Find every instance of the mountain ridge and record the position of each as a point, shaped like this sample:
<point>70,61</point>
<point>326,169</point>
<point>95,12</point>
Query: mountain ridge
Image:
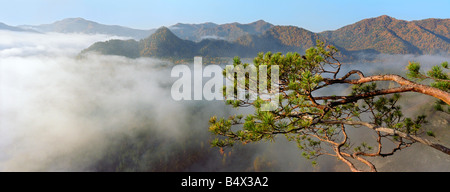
<point>194,32</point>
<point>382,34</point>
<point>6,27</point>
<point>165,44</point>
<point>81,25</point>
<point>228,31</point>
<point>386,34</point>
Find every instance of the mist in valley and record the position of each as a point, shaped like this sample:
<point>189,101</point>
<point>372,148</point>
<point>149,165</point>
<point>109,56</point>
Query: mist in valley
<point>60,112</point>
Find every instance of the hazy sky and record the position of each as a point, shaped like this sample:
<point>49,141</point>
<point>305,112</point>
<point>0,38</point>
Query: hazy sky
<point>316,16</point>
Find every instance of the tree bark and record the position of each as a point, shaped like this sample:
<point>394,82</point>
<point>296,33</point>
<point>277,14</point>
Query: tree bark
<point>406,85</point>
<point>434,145</point>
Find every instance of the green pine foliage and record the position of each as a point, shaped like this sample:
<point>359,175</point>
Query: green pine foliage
<point>439,76</point>
<point>309,120</point>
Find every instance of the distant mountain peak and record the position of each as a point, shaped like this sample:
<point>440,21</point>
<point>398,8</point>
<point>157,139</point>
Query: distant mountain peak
<point>163,42</point>
<point>385,17</point>
<point>382,34</point>
<point>260,22</point>
<point>163,31</point>
<point>209,24</point>
<point>81,25</point>
<point>164,34</point>
<point>4,26</point>
<point>386,34</point>
<point>228,31</point>
<point>380,20</point>
<point>163,28</point>
<point>73,20</point>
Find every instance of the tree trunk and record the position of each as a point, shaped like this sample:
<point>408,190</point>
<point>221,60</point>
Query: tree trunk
<point>437,146</point>
<point>406,85</point>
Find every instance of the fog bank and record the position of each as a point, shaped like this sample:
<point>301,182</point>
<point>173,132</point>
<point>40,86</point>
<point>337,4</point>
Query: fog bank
<point>110,113</point>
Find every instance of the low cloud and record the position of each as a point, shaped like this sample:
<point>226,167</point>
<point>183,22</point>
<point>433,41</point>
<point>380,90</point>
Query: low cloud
<point>24,44</point>
<point>110,113</point>
<point>55,106</point>
<point>98,113</point>
<point>59,112</point>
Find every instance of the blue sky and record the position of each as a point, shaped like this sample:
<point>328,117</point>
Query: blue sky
<point>316,15</point>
